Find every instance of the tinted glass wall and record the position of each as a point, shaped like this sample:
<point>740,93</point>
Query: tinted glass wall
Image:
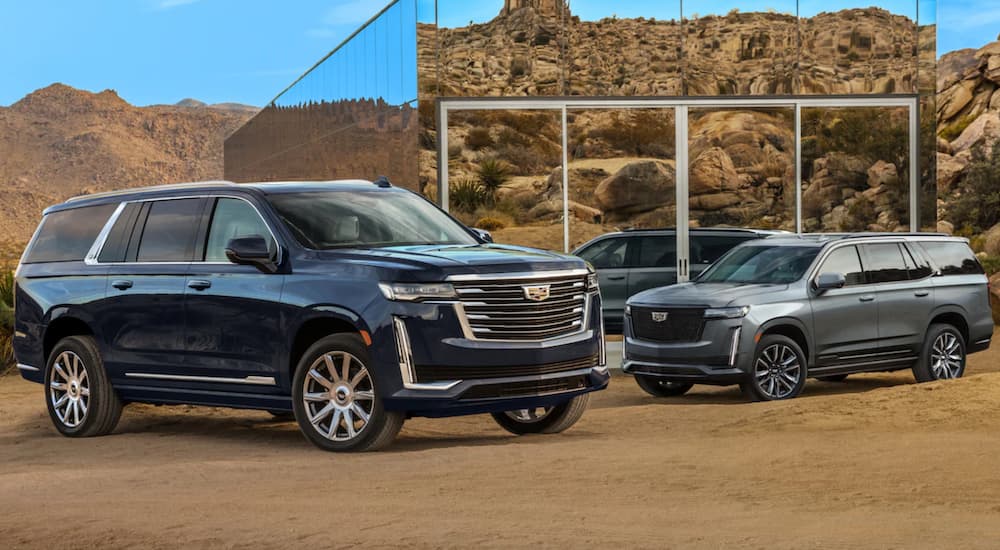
<point>353,115</point>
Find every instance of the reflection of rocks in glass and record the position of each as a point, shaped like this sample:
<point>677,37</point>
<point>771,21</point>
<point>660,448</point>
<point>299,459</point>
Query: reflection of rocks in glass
<point>858,51</point>
<point>323,141</point>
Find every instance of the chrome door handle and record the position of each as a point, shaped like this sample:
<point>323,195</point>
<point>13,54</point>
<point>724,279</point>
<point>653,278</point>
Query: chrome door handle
<point>122,284</point>
<point>199,284</point>
<point>921,293</point>
<point>867,298</point>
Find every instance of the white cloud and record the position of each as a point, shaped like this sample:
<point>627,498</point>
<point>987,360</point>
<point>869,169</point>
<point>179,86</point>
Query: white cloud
<point>170,4</point>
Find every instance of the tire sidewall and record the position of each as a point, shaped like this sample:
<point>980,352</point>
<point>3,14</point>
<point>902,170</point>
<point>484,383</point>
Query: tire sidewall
<point>544,425</point>
<point>652,386</point>
<point>348,343</point>
<point>933,334</point>
<point>86,349</point>
<point>751,384</point>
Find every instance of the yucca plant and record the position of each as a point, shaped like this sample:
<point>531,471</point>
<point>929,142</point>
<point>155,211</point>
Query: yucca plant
<point>493,173</point>
<point>467,195</point>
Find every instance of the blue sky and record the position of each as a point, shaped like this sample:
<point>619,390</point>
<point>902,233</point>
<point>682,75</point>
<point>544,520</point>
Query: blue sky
<point>161,51</point>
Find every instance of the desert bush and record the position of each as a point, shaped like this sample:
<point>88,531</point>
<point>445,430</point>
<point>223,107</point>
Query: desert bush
<point>955,129</point>
<point>490,224</point>
<point>991,264</point>
<point>454,151</point>
<point>6,320</point>
<point>519,66</point>
<point>466,195</point>
<point>526,161</point>
<point>479,138</point>
<point>640,133</point>
<point>492,174</point>
<point>978,205</point>
<point>860,213</point>
<point>849,130</point>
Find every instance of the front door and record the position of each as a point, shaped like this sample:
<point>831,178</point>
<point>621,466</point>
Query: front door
<point>232,311</point>
<point>845,320</point>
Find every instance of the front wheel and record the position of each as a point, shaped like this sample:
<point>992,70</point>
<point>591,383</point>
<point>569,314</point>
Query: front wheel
<point>658,387</point>
<point>336,402</point>
<point>543,420</point>
<point>943,355</point>
<point>778,370</point>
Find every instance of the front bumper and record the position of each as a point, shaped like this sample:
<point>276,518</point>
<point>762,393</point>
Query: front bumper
<point>718,356</point>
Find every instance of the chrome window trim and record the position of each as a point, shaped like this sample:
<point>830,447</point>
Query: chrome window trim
<point>250,380</point>
<point>27,368</point>
<point>98,246</point>
<point>814,271</point>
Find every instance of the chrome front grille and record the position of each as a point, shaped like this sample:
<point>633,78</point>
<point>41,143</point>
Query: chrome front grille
<point>500,309</point>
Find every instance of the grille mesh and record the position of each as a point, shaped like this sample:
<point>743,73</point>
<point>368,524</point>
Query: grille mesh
<point>438,373</point>
<point>501,310</point>
<point>681,324</point>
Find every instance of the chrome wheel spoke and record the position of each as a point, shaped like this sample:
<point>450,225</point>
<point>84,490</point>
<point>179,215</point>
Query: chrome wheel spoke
<point>346,396</point>
<point>359,412</point>
<point>364,395</point>
<point>349,424</point>
<point>334,424</point>
<point>331,368</point>
<point>316,397</point>
<point>315,375</point>
<point>323,413</point>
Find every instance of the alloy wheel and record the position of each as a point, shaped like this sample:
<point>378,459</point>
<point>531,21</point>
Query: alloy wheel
<point>778,371</point>
<point>69,389</point>
<point>946,356</point>
<point>529,416</point>
<point>338,396</point>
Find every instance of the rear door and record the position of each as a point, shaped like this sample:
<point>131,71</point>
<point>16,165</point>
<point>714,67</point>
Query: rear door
<point>143,316</point>
<point>905,298</point>
<point>845,320</point>
<point>609,257</point>
<point>232,311</point>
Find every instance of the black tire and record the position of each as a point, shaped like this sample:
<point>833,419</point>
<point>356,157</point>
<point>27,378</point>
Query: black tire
<point>282,416</point>
<point>78,394</point>
<point>554,420</point>
<point>833,378</point>
<point>376,432</point>
<point>657,387</point>
<point>941,338</point>
<point>771,376</point>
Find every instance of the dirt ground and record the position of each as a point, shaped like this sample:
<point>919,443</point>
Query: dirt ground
<point>876,461</point>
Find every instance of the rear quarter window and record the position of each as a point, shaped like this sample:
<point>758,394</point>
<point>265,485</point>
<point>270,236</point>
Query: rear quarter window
<point>67,235</point>
<point>953,258</point>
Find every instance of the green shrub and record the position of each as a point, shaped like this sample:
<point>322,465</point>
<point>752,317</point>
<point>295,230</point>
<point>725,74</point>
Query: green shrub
<point>490,224</point>
<point>952,131</point>
<point>479,138</point>
<point>466,195</point>
<point>493,173</point>
<point>977,208</point>
<point>991,264</point>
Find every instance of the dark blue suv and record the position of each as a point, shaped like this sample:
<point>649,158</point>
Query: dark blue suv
<point>352,305</point>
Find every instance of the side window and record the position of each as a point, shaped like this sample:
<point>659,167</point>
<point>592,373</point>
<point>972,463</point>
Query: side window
<point>607,254</point>
<point>884,263</point>
<point>232,219</point>
<point>917,264</point>
<point>953,257</point>
<point>170,231</point>
<point>116,245</point>
<point>657,252</point>
<point>845,260</point>
<point>67,235</point>
<point>706,249</point>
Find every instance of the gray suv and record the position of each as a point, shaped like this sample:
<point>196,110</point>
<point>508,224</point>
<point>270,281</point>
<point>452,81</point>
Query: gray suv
<point>773,312</point>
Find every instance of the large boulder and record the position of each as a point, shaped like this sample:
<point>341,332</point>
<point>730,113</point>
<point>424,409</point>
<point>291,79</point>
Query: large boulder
<point>991,241</point>
<point>949,170</point>
<point>712,172</point>
<point>995,297</point>
<point>882,173</point>
<point>985,130</point>
<point>843,169</point>
<point>639,186</point>
<point>952,100</point>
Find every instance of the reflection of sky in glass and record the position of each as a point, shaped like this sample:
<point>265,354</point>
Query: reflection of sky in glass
<point>379,62</point>
<point>927,12</point>
<point>595,10</point>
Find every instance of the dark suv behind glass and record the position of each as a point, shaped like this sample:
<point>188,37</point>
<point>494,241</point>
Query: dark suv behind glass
<point>354,305</point>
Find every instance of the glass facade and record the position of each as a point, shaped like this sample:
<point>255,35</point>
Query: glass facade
<point>560,116</point>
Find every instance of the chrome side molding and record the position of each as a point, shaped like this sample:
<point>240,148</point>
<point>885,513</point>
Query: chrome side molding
<point>251,380</point>
<point>27,368</point>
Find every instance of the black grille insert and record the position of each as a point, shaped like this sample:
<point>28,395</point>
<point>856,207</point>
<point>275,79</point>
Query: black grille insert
<point>668,324</point>
<point>427,374</point>
<point>529,388</point>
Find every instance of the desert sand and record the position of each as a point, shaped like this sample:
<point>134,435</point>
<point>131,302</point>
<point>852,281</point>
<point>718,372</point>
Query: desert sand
<point>877,461</point>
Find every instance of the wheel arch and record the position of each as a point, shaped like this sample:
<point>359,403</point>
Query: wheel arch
<point>63,324</point>
<point>322,321</point>
<point>950,316</point>
<point>790,328</point>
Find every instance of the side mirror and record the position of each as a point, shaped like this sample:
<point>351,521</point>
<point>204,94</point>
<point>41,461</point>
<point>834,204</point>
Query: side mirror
<point>251,251</point>
<point>483,234</point>
<point>829,281</point>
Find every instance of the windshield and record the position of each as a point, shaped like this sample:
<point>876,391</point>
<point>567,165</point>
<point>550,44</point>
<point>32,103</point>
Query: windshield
<point>324,220</point>
<point>761,264</point>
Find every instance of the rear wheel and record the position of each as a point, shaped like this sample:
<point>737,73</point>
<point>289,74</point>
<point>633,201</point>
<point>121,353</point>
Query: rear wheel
<point>778,370</point>
<point>943,355</point>
<point>658,387</point>
<point>336,402</point>
<point>80,399</point>
<point>543,420</point>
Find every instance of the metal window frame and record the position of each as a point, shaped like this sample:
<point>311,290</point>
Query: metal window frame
<point>681,105</point>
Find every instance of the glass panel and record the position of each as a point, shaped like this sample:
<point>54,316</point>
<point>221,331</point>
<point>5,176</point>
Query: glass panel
<point>68,235</point>
<point>884,263</point>
<point>624,48</point>
<point>927,84</point>
<point>234,219</point>
<point>850,47</point>
<point>742,168</point>
<point>170,231</point>
<point>501,48</point>
<point>745,47</point>
<point>845,260</point>
<point>504,174</point>
<point>853,178</point>
<point>352,116</point>
<point>621,171</point>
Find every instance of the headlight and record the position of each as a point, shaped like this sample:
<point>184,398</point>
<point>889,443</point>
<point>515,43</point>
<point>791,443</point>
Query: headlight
<point>417,292</point>
<point>592,284</point>
<point>727,312</point>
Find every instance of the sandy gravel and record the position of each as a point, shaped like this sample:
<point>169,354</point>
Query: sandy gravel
<point>876,462</point>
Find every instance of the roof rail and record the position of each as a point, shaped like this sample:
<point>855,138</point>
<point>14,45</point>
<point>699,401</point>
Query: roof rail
<point>168,187</point>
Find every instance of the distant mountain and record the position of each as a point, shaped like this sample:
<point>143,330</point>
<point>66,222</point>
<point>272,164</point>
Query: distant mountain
<point>59,141</point>
<point>196,104</point>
